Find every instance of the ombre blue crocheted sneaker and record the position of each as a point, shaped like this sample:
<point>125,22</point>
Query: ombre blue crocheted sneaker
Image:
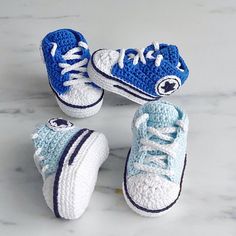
<point>155,164</point>
<point>66,56</point>
<point>140,75</point>
<point>68,159</point>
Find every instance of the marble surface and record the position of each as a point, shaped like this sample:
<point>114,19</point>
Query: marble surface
<point>204,30</point>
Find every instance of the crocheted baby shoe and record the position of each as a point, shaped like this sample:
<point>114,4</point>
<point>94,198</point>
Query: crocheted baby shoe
<point>156,161</point>
<point>68,159</point>
<point>140,75</point>
<point>66,56</point>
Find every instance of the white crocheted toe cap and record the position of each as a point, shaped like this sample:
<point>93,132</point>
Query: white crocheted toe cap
<point>82,95</point>
<point>105,59</point>
<point>151,191</point>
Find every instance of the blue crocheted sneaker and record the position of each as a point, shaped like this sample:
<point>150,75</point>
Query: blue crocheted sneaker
<point>68,159</point>
<point>140,75</point>
<point>66,56</point>
<point>155,164</point>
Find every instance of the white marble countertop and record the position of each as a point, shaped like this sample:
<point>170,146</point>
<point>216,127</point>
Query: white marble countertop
<point>205,33</point>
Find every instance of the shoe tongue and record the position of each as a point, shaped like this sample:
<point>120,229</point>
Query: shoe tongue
<point>170,53</point>
<point>162,115</point>
<point>65,40</point>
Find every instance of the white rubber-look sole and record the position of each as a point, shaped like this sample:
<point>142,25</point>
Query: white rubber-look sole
<point>108,84</point>
<point>137,210</point>
<point>77,181</point>
<point>78,112</point>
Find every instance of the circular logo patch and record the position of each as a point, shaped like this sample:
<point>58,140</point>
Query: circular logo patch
<point>59,124</point>
<point>167,85</point>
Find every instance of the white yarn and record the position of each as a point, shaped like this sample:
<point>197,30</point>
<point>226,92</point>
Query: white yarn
<point>81,92</point>
<point>79,66</point>
<point>151,192</point>
<point>105,59</point>
<point>34,136</point>
<point>143,118</point>
<point>149,145</point>
<point>77,181</point>
<point>54,48</point>
<point>108,84</point>
<point>44,169</point>
<point>139,56</point>
<point>78,112</point>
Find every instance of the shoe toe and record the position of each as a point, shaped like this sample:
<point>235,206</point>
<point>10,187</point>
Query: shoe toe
<point>152,192</point>
<point>82,96</point>
<point>105,59</point>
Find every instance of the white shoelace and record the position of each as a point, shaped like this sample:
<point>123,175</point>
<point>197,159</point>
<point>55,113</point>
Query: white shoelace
<point>79,66</point>
<point>140,56</point>
<point>149,145</point>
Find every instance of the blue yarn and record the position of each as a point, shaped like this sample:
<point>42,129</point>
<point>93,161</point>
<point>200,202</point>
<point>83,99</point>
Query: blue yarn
<point>146,76</point>
<point>52,144</point>
<point>65,39</point>
<point>161,114</point>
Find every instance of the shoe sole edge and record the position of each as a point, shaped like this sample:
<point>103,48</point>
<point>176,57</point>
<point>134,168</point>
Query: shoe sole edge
<point>144,211</point>
<point>115,86</point>
<point>64,208</point>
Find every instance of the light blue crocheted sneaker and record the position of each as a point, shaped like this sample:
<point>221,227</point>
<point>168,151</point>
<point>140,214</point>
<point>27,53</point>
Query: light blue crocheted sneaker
<point>140,75</point>
<point>68,159</point>
<point>66,56</point>
<point>155,164</point>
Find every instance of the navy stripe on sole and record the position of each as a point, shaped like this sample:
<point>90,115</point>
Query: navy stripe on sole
<point>117,80</point>
<point>59,170</point>
<point>86,136</point>
<point>133,94</point>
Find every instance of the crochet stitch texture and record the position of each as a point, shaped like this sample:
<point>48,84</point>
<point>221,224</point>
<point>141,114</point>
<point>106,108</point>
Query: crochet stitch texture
<point>68,159</point>
<point>66,55</point>
<point>66,39</point>
<point>156,162</point>
<point>141,75</point>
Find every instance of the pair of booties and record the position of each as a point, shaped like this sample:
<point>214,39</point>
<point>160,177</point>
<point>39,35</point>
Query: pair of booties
<point>78,79</point>
<point>69,158</point>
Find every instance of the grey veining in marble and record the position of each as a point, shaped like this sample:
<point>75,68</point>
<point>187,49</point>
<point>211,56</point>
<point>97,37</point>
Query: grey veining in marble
<point>205,33</point>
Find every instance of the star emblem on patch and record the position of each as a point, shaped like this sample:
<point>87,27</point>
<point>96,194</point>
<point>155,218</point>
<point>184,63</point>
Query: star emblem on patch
<point>167,85</point>
<point>59,124</point>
